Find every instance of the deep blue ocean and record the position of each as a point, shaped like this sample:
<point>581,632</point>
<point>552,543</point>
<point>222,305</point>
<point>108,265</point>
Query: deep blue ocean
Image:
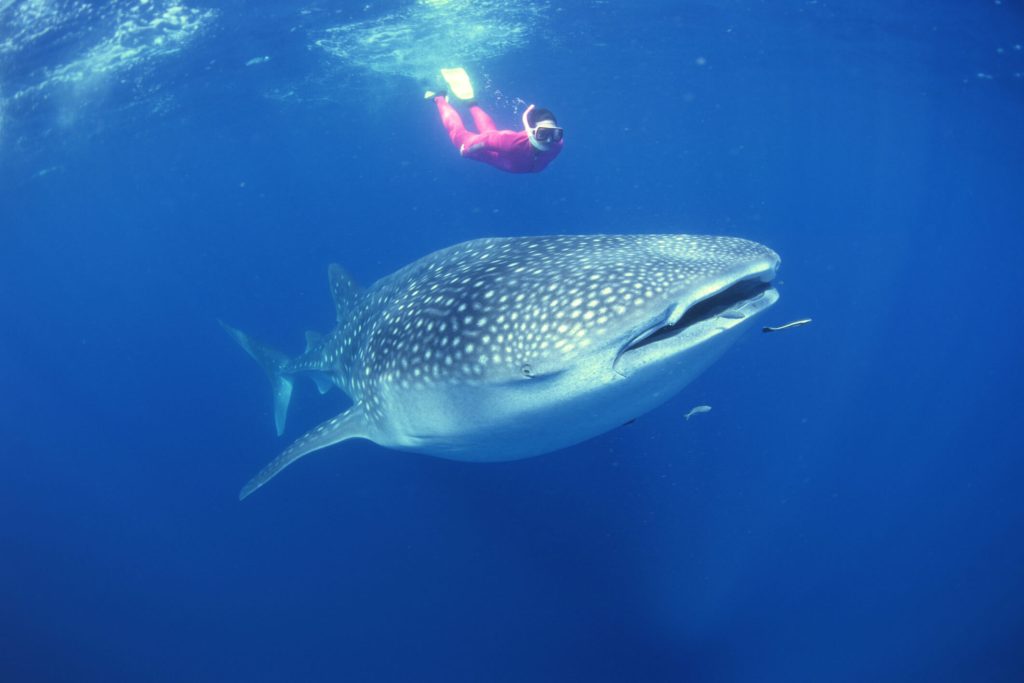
<point>850,510</point>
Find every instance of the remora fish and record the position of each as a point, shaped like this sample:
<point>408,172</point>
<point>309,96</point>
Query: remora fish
<point>507,348</point>
<point>787,326</point>
<point>697,410</point>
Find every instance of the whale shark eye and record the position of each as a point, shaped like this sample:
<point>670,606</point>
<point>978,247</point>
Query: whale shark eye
<point>527,370</point>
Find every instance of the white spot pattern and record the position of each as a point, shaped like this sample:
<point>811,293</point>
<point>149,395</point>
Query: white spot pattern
<point>492,307</point>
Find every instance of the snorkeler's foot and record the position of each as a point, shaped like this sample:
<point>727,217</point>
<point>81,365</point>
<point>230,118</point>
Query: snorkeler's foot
<point>433,87</point>
<point>438,88</point>
<point>459,83</point>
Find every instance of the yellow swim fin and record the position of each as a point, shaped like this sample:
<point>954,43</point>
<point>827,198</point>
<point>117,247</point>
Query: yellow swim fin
<point>459,83</point>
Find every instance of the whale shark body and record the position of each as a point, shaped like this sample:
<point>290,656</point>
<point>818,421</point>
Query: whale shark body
<point>506,348</point>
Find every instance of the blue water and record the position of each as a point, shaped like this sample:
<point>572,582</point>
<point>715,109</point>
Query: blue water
<point>849,510</point>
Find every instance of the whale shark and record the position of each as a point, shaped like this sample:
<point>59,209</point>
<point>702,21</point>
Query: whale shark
<point>506,348</point>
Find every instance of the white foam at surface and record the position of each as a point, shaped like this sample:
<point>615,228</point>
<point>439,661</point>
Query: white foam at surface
<point>132,34</point>
<point>417,40</point>
<point>23,23</point>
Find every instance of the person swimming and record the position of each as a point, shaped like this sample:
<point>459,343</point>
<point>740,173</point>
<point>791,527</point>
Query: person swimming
<point>525,151</point>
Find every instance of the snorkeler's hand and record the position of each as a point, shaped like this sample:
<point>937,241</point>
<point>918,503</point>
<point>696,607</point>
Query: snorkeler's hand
<point>473,148</point>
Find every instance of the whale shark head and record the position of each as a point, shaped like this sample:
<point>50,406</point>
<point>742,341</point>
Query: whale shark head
<point>696,290</point>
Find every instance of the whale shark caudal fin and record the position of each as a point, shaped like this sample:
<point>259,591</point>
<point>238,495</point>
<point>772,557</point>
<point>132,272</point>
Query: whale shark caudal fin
<point>344,290</point>
<point>272,361</point>
<point>349,425</point>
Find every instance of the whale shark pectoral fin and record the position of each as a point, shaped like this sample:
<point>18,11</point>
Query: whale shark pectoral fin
<point>349,425</point>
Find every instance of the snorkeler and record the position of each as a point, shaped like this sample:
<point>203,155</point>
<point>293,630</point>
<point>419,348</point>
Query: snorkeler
<point>526,151</point>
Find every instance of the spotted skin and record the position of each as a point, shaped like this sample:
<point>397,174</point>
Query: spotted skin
<point>499,312</point>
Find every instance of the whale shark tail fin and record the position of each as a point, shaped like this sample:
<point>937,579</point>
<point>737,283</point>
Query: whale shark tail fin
<point>349,425</point>
<point>273,362</point>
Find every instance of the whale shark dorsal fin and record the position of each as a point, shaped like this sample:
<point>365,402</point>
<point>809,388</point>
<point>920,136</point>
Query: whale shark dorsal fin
<point>349,425</point>
<point>344,290</point>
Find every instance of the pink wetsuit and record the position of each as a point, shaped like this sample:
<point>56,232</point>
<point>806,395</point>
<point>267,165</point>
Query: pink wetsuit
<point>508,150</point>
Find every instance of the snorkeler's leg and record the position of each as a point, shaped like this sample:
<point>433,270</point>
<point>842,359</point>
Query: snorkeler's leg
<point>452,122</point>
<point>483,122</point>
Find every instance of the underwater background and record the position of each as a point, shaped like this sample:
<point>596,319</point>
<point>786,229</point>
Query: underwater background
<point>850,509</point>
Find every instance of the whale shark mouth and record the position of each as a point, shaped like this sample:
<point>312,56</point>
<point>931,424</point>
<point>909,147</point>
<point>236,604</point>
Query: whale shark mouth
<point>731,305</point>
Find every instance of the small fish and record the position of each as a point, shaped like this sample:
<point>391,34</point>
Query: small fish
<point>795,323</point>
<point>697,410</point>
